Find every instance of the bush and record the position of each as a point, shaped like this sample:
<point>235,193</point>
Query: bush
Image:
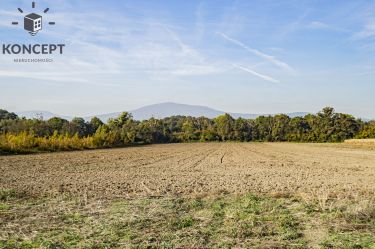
<point>24,143</point>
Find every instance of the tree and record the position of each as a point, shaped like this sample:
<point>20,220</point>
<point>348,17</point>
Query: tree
<point>264,126</point>
<point>57,124</point>
<point>104,137</point>
<point>326,126</point>
<point>345,127</point>
<point>5,115</point>
<point>280,128</point>
<point>95,123</point>
<point>242,130</point>
<point>367,130</point>
<point>189,130</point>
<point>299,129</point>
<point>77,126</point>
<point>151,131</point>
<point>120,120</point>
<point>224,126</point>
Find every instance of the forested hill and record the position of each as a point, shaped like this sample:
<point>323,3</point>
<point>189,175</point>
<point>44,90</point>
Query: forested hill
<point>60,134</point>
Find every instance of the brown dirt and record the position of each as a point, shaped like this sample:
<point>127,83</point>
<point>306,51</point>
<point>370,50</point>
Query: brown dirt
<point>195,169</point>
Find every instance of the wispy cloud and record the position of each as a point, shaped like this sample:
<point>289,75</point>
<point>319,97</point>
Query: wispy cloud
<point>131,46</point>
<point>317,25</point>
<point>367,32</point>
<point>171,56</point>
<point>40,76</point>
<point>259,75</point>
<point>256,52</point>
<point>56,78</point>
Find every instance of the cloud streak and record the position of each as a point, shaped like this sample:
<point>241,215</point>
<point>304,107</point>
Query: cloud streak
<point>367,33</point>
<point>317,25</point>
<point>256,52</point>
<point>53,78</point>
<point>262,76</point>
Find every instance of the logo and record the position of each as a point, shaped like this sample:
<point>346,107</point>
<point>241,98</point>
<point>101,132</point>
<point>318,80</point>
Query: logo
<point>34,53</point>
<point>33,23</point>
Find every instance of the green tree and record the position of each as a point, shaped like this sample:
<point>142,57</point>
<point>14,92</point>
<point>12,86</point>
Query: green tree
<point>5,115</point>
<point>189,130</point>
<point>57,124</point>
<point>77,126</point>
<point>345,127</point>
<point>367,130</point>
<point>298,129</point>
<point>120,121</point>
<point>280,128</point>
<point>95,123</point>
<point>242,130</point>
<point>224,126</point>
<point>263,126</point>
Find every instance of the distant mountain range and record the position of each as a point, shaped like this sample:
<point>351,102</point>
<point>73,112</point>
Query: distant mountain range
<point>41,114</point>
<point>158,111</point>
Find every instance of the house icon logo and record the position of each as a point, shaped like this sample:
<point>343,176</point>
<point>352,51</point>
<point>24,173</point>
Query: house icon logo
<point>33,23</point>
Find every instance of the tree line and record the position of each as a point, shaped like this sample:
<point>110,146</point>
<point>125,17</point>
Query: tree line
<point>21,134</point>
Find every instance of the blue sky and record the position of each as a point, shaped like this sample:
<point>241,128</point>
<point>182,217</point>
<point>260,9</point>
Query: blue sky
<point>237,56</point>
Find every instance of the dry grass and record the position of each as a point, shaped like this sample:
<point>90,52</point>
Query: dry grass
<point>369,142</point>
<point>216,221</point>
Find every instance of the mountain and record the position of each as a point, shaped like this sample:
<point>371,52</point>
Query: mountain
<point>366,119</point>
<point>169,109</point>
<point>162,110</point>
<point>40,114</point>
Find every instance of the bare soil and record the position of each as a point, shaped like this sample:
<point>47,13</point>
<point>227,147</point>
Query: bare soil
<point>196,169</point>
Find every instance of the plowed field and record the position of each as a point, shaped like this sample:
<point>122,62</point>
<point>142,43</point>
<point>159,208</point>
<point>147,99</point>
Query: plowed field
<point>194,169</point>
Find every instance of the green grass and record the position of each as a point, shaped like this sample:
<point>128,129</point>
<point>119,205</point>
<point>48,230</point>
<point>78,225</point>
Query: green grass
<point>245,221</point>
<point>353,240</point>
<point>350,226</point>
<point>4,207</point>
<point>7,194</point>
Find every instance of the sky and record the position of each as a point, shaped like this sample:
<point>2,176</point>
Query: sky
<point>244,56</point>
